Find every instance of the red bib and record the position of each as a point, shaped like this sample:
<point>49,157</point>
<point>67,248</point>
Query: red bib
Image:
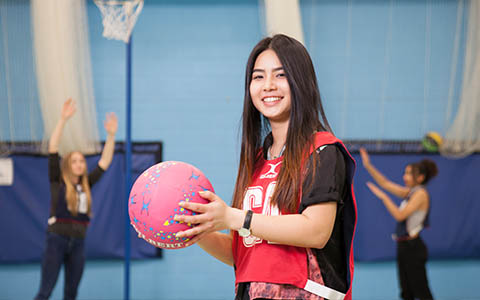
<point>258,260</point>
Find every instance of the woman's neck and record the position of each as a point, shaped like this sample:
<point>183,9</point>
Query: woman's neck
<point>279,134</point>
<point>74,179</point>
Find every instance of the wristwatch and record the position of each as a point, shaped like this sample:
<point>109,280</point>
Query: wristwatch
<point>245,230</point>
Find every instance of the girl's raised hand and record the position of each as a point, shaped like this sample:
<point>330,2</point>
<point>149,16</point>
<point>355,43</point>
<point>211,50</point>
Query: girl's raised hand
<point>69,108</point>
<point>111,123</point>
<point>365,156</point>
<point>376,190</point>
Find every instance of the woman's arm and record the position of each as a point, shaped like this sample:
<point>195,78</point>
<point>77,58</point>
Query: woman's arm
<point>111,126</point>
<point>218,245</point>
<point>415,202</point>
<point>310,229</point>
<point>384,182</point>
<point>68,110</point>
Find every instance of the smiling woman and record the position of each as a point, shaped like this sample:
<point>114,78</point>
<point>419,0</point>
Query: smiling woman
<point>293,214</point>
<point>270,90</point>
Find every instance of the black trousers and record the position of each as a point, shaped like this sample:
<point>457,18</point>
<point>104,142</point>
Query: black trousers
<point>69,252</point>
<point>411,259</point>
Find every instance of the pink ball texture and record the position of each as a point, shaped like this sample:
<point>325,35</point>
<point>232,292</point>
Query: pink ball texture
<point>154,198</point>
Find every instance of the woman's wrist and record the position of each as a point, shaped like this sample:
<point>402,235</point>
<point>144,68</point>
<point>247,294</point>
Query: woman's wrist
<point>235,217</point>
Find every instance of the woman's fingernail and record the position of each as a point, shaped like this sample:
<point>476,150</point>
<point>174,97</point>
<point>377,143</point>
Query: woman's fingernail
<point>181,203</point>
<point>201,192</point>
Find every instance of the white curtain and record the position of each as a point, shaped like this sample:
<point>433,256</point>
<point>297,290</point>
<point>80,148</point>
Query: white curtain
<point>463,136</point>
<point>283,16</point>
<point>63,69</point>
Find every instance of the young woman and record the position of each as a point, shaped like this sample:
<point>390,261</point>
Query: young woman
<point>70,207</point>
<point>293,214</point>
<point>412,217</point>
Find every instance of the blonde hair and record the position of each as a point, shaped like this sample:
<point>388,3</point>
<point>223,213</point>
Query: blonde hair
<point>71,194</point>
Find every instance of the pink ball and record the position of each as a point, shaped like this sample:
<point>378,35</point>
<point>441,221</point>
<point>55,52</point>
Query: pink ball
<point>154,199</point>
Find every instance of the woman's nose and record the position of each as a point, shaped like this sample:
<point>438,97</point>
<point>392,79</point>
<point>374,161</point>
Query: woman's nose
<point>269,84</point>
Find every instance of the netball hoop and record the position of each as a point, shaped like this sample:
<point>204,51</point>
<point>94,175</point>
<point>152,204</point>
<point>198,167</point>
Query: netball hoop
<point>119,17</point>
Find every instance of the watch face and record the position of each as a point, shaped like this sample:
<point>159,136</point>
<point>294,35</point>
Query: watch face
<point>244,232</point>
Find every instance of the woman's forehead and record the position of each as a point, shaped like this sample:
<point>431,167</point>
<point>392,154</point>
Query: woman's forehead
<point>77,155</point>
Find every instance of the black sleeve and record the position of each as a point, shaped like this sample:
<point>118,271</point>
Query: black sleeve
<point>95,175</point>
<point>330,185</point>
<point>330,177</point>
<point>54,167</point>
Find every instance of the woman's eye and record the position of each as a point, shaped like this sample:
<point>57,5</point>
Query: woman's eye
<point>257,77</point>
<point>281,75</point>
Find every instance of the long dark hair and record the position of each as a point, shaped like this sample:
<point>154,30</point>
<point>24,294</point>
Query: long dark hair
<point>306,106</point>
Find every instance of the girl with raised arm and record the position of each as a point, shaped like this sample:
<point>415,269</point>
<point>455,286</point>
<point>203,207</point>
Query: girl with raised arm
<point>412,216</point>
<point>70,206</point>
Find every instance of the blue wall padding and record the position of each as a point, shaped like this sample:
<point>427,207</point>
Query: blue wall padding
<point>454,230</point>
<point>24,210</point>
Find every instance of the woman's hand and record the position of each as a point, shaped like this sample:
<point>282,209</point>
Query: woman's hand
<point>111,123</point>
<point>376,190</point>
<point>111,126</point>
<point>365,157</point>
<point>397,214</point>
<point>210,217</point>
<point>69,108</point>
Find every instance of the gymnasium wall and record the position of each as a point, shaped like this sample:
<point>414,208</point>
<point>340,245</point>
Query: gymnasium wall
<point>373,59</point>
<point>383,69</point>
<point>189,57</point>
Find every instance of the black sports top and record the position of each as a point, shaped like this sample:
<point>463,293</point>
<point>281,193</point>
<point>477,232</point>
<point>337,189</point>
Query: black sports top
<point>65,223</point>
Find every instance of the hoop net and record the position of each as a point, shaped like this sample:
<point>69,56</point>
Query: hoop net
<point>119,17</point>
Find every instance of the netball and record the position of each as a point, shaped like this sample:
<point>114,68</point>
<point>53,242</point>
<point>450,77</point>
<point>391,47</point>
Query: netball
<point>432,141</point>
<point>154,201</point>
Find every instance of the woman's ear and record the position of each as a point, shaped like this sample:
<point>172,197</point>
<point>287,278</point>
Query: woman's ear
<point>420,178</point>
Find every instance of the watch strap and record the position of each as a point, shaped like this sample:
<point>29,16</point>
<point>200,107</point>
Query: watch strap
<point>248,220</point>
